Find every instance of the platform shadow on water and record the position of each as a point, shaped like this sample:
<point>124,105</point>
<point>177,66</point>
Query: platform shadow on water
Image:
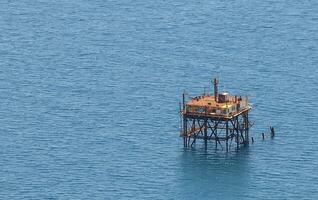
<point>206,170</point>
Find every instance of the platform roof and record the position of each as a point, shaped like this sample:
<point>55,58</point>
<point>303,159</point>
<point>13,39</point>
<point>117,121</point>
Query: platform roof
<point>209,101</point>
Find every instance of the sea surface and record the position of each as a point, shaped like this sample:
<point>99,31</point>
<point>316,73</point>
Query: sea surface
<point>90,92</point>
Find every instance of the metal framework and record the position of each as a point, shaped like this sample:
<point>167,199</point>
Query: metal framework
<point>227,130</point>
<point>220,129</point>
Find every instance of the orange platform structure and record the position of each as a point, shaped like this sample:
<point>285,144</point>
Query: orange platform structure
<point>219,116</point>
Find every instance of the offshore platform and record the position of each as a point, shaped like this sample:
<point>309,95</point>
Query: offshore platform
<point>220,117</point>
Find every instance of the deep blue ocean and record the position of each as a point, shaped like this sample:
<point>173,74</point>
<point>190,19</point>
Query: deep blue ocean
<point>90,92</point>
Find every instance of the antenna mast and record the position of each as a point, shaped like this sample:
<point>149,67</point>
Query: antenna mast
<point>215,83</point>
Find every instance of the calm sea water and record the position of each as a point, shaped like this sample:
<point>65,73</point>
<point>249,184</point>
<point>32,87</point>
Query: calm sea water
<point>89,94</point>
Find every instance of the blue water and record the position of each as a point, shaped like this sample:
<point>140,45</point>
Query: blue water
<point>89,94</point>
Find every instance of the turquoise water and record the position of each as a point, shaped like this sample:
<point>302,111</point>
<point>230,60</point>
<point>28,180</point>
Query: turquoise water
<point>89,94</point>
